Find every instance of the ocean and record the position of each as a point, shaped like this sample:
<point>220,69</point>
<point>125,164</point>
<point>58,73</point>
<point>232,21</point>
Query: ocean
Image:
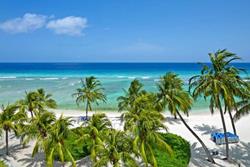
<point>62,79</point>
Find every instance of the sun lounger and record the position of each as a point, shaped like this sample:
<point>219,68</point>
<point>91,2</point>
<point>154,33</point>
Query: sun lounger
<point>219,138</point>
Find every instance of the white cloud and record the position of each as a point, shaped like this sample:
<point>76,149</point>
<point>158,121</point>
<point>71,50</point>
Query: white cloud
<point>29,22</point>
<point>70,25</point>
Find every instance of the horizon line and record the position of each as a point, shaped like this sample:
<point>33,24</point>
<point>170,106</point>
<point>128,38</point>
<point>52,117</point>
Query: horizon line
<point>111,62</point>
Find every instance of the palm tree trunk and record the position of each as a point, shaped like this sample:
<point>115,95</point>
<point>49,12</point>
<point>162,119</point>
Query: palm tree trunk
<point>31,113</point>
<point>232,121</point>
<point>175,116</point>
<point>231,118</point>
<point>7,141</point>
<point>210,158</point>
<point>87,107</point>
<point>224,128</point>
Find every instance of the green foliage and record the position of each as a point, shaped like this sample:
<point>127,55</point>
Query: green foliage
<point>142,123</point>
<point>36,101</point>
<point>243,105</point>
<point>54,144</point>
<point>78,150</point>
<point>96,129</point>
<point>91,91</point>
<point>2,164</point>
<point>181,149</point>
<point>126,102</point>
<point>221,83</point>
<point>116,150</point>
<point>38,127</point>
<point>172,95</point>
<point>9,120</point>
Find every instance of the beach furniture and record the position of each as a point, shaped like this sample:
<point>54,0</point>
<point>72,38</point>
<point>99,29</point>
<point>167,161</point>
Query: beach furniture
<point>82,119</point>
<point>214,152</point>
<point>219,138</point>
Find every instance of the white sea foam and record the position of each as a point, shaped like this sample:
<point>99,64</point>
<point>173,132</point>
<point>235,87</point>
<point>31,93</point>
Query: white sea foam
<point>131,77</point>
<point>121,76</point>
<point>64,78</point>
<point>146,77</point>
<point>29,79</point>
<point>8,77</point>
<point>156,80</point>
<point>49,78</point>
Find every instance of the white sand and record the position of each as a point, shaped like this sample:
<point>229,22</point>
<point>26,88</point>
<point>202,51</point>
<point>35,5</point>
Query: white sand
<point>202,123</point>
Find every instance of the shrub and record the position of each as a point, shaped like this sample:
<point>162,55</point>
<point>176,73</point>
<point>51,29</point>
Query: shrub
<point>78,150</point>
<point>181,149</point>
<point>180,146</point>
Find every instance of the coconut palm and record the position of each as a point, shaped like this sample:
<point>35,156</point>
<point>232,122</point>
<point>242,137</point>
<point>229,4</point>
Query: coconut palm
<point>213,83</point>
<point>172,95</point>
<point>238,95</point>
<point>46,99</point>
<point>54,143</point>
<point>143,125</point>
<point>169,92</point>
<point>94,130</point>
<point>116,151</point>
<point>35,101</point>
<point>38,128</point>
<point>126,102</point>
<point>9,118</point>
<point>243,106</point>
<point>30,103</point>
<point>222,63</point>
<point>90,92</point>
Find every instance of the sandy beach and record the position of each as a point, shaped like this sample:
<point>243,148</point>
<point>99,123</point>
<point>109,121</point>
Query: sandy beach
<point>203,124</point>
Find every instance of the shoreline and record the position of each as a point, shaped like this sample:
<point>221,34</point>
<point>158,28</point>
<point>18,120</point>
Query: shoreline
<point>79,112</point>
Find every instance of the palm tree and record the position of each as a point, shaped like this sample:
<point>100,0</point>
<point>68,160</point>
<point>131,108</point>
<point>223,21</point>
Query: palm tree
<point>172,95</point>
<point>29,103</point>
<point>90,92</point>
<point>213,83</point>
<point>126,102</point>
<point>143,125</point>
<point>221,63</point>
<point>243,106</point>
<point>170,90</point>
<point>116,151</point>
<point>38,128</point>
<point>59,132</point>
<point>8,119</point>
<point>35,101</point>
<point>54,143</point>
<point>144,128</point>
<point>94,130</point>
<point>46,99</point>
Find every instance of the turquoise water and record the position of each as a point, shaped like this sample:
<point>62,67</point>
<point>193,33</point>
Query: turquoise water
<point>62,79</point>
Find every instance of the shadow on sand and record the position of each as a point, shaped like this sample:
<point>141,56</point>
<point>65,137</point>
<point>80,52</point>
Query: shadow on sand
<point>207,129</point>
<point>239,153</point>
<point>172,120</point>
<point>37,160</point>
<point>13,149</point>
<point>199,158</point>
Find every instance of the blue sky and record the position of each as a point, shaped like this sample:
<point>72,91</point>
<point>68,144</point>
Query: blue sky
<point>122,30</point>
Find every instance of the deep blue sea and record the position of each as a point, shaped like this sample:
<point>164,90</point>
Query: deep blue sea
<point>62,79</point>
